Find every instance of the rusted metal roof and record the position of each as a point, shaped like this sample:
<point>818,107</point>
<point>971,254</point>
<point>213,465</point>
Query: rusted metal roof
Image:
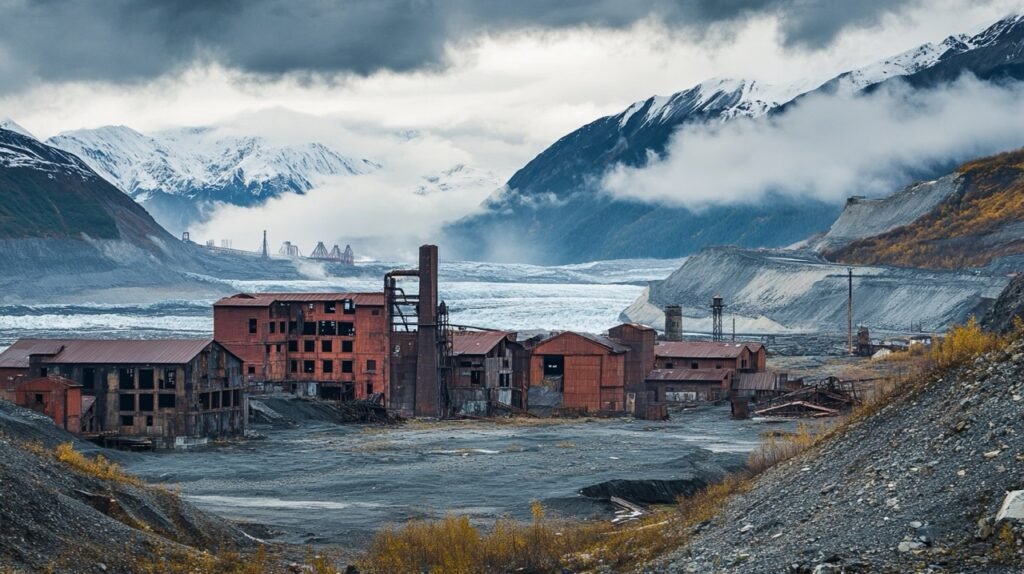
<point>51,379</point>
<point>703,349</point>
<point>755,382</point>
<point>17,355</point>
<point>267,299</point>
<point>476,342</point>
<point>688,375</point>
<point>106,351</point>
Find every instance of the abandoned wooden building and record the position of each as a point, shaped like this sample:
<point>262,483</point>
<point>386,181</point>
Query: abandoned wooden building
<point>56,397</point>
<point>740,357</point>
<point>485,372</point>
<point>332,346</point>
<point>685,386</point>
<point>578,372</point>
<point>165,391</point>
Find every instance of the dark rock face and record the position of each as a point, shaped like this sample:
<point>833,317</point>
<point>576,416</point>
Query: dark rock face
<point>696,472</point>
<point>1009,306</point>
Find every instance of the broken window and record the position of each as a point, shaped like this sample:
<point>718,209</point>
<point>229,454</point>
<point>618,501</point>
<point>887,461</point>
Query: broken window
<point>670,365</point>
<point>281,327</point>
<point>328,366</point>
<point>308,328</point>
<point>348,306</point>
<point>476,378</point>
<point>694,365</point>
<point>346,366</point>
<point>277,348</point>
<point>743,364</point>
<point>127,421</point>
<point>149,421</point>
<point>146,379</point>
<point>253,324</point>
<point>215,396</point>
<point>292,326</point>
<point>347,329</point>
<point>369,388</point>
<point>126,379</point>
<point>326,345</point>
<point>328,328</point>
<point>504,380</point>
<point>371,366</point>
<point>252,369</point>
<point>204,401</point>
<point>225,400</point>
<point>346,346</point>
<point>170,379</point>
<point>126,402</point>
<point>293,346</point>
<point>146,402</point>
<point>308,366</point>
<point>294,366</point>
<point>267,348</point>
<point>309,345</point>
<point>167,401</point>
<point>329,307</point>
<point>273,327</point>
<point>554,366</point>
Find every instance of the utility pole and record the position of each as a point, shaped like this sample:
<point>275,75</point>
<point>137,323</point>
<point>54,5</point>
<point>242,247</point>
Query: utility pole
<point>849,310</point>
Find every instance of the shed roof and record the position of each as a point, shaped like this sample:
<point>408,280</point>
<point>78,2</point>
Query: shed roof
<point>704,349</point>
<point>267,299</point>
<point>49,379</point>
<point>755,382</point>
<point>476,342</point>
<point>689,375</point>
<point>601,340</point>
<point>105,351</point>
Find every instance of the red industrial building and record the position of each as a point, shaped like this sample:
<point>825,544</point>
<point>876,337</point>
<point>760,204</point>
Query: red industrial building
<point>56,397</point>
<point>689,385</point>
<point>330,345</point>
<point>163,392</point>
<point>485,372</point>
<point>578,371</point>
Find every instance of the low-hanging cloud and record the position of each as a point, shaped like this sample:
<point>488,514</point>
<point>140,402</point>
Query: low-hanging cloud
<point>830,147</point>
<point>137,40</point>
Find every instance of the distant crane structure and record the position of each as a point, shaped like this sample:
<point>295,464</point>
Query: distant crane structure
<point>289,249</point>
<point>335,254</point>
<point>717,307</point>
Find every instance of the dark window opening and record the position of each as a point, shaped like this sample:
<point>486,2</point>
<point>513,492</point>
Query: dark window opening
<point>204,401</point>
<point>308,328</point>
<point>126,378</point>
<point>308,366</point>
<point>718,365</point>
<point>170,379</point>
<point>252,369</point>
<point>149,421</point>
<point>293,346</point>
<point>167,401</point>
<point>89,378</point>
<point>43,371</point>
<point>215,396</point>
<point>346,366</point>
<point>346,346</point>
<point>348,306</point>
<point>694,365</point>
<point>375,312</point>
<point>743,364</point>
<point>225,400</point>
<point>252,326</point>
<point>126,402</point>
<point>371,366</point>
<point>281,327</point>
<point>554,366</point>
<point>369,388</point>
<point>277,348</point>
<point>39,399</point>
<point>236,397</point>
<point>347,329</point>
<point>326,345</point>
<point>328,328</point>
<point>127,421</point>
<point>465,363</point>
<point>146,403</point>
<point>292,326</point>
<point>504,380</point>
<point>329,307</point>
<point>309,345</point>
<point>670,365</point>
<point>273,327</point>
<point>267,349</point>
<point>476,378</point>
<point>294,366</point>
<point>328,366</point>
<point>146,379</point>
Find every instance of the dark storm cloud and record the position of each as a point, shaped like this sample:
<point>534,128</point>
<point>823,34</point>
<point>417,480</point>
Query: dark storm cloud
<point>125,40</point>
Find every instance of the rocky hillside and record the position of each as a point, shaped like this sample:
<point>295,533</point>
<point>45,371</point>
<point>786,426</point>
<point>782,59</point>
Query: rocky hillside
<point>57,518</point>
<point>913,487</point>
<point>776,291</point>
<point>1008,308</point>
<point>555,204</point>
<point>979,223</point>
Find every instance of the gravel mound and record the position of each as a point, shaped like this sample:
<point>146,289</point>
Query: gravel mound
<point>55,519</point>
<point>914,487</point>
<point>1007,307</point>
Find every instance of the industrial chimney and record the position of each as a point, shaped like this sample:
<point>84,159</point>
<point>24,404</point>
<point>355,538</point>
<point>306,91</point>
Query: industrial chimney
<point>673,323</point>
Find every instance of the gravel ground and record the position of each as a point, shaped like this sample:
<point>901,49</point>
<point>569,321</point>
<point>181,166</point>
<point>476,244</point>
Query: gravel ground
<point>912,488</point>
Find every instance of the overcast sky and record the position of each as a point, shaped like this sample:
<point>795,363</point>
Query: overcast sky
<point>489,83</point>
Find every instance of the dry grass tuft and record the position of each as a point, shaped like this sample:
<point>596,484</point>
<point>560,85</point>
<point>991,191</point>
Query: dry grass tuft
<point>98,467</point>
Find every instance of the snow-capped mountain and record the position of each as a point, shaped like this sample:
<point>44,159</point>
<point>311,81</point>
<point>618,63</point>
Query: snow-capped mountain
<point>457,178</point>
<point>19,149</point>
<point>180,174</point>
<point>555,203</point>
<point>12,126</point>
